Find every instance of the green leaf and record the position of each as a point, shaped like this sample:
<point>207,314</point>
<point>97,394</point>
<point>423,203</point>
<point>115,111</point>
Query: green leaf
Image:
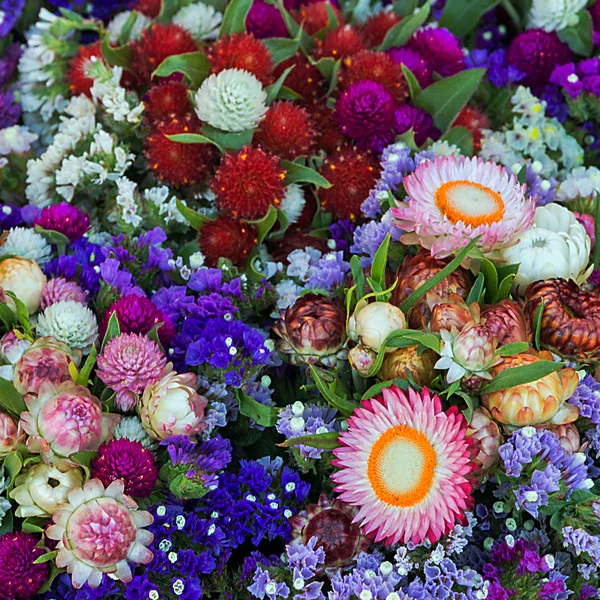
<point>377,388</point>
<point>34,525</point>
<point>522,175</point>
<point>259,413</point>
<point>153,335</point>
<point>556,521</point>
<point>228,140</point>
<point>193,138</point>
<point>408,138</point>
<point>195,219</point>
<point>324,441</point>
<point>505,287</point>
<point>438,277</point>
<point>296,173</point>
<point>234,18</point>
<point>579,37</point>
<point>536,325</point>
<point>491,280</point>
<point>400,33</point>
<point>476,290</point>
<point>54,237</point>
<point>83,458</point>
<point>329,67</point>
<point>332,22</point>
<point>285,93</point>
<point>112,329</point>
<point>445,98</point>
<point>195,66</point>
<point>472,403</point>
<point>295,29</point>
<point>86,370</point>
<point>513,348</point>
<point>429,340</point>
<point>44,558</point>
<point>21,310</point>
<point>7,523</point>
<point>405,7</point>
<point>358,276</point>
<point>413,85</point>
<point>7,316</point>
<point>13,464</point>
<point>125,32</point>
<point>117,56</point>
<point>264,225</point>
<point>345,407</point>
<point>273,90</point>
<point>10,399</point>
<point>462,138</point>
<point>73,372</point>
<point>54,571</point>
<point>520,375</point>
<point>461,16</point>
<point>380,262</point>
<point>167,10</point>
<point>282,48</point>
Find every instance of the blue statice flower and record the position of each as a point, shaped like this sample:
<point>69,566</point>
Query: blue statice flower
<point>368,238</point>
<point>305,561</point>
<point>119,279</point>
<point>175,302</point>
<point>207,280</point>
<point>587,399</point>
<point>316,270</point>
<point>63,588</point>
<point>543,190</point>
<point>11,11</point>
<point>341,234</point>
<point>266,587</point>
<point>10,216</point>
<point>10,111</point>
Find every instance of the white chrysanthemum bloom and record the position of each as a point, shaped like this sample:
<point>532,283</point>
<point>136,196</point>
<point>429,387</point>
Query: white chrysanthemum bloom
<point>580,183</point>
<point>293,202</point>
<point>200,20</point>
<point>555,246</point>
<point>554,15</point>
<point>232,100</point>
<point>115,27</point>
<point>25,242</point>
<point>16,139</point>
<point>69,322</point>
<point>131,428</point>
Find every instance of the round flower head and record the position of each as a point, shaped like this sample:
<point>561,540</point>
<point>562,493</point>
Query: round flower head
<point>66,219</point>
<point>453,200</point>
<point>341,42</point>
<point>233,100</point>
<point>411,117</point>
<point>440,49</point>
<point>554,15</point>
<point>25,242</point>
<point>20,577</point>
<point>377,26</point>
<point>264,21</point>
<point>226,237</point>
<point>167,101</point>
<point>60,289</point>
<point>128,363</point>
<point>304,79</point>
<point>69,322</point>
<point>100,531</point>
<point>405,463</point>
<point>130,428</point>
<point>201,20</point>
<point>413,61</point>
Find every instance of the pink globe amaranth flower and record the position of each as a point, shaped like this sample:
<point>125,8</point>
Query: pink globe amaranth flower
<point>46,361</point>
<point>454,200</point>
<point>64,218</point>
<point>440,48</point>
<point>100,531</point>
<point>265,21</point>
<point>63,420</point>
<point>20,578</point>
<point>129,363</point>
<point>129,461</point>
<point>12,347</point>
<point>172,406</point>
<point>10,434</point>
<point>488,438</point>
<point>59,289</point>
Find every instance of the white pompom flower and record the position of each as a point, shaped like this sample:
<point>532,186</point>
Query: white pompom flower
<point>131,429</point>
<point>25,242</point>
<point>554,15</point>
<point>69,322</point>
<point>200,20</point>
<point>293,203</point>
<point>232,100</point>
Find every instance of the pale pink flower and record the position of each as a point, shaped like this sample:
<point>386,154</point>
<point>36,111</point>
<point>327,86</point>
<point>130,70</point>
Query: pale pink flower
<point>10,434</point>
<point>60,289</point>
<point>488,437</point>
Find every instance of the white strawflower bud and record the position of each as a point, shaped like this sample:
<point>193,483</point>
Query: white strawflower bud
<point>69,322</point>
<point>131,428</point>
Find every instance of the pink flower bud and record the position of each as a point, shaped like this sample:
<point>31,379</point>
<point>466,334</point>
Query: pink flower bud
<point>10,434</point>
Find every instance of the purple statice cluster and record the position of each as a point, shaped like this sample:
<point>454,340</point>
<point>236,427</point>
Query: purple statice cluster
<point>580,542</point>
<point>10,109</point>
<point>579,78</point>
<point>543,190</point>
<point>587,399</point>
<point>316,271</point>
<point>500,72</point>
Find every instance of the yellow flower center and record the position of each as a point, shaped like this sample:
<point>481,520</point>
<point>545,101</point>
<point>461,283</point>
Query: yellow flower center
<point>472,203</point>
<point>401,466</point>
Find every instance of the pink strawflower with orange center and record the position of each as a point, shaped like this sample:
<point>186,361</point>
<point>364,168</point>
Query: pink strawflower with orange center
<point>454,200</point>
<point>405,462</point>
<point>128,363</point>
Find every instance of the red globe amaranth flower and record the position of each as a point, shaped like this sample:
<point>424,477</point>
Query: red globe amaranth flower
<point>352,175</point>
<point>341,42</point>
<point>168,100</point>
<point>474,120</point>
<point>330,138</point>
<point>377,26</point>
<point>248,182</point>
<point>287,131</point>
<point>378,67</point>
<point>157,43</point>
<point>242,51</point>
<point>64,218</point>
<point>173,162</point>
<point>304,79</point>
<point>228,238</point>
<point>20,578</point>
<point>79,82</point>
<point>315,17</point>
<point>150,8</point>
<point>127,460</point>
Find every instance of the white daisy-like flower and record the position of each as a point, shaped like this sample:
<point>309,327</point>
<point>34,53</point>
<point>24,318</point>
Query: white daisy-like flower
<point>200,20</point>
<point>232,100</point>
<point>25,242</point>
<point>580,183</point>
<point>131,428</point>
<point>115,27</point>
<point>554,15</point>
<point>293,202</point>
<point>69,322</point>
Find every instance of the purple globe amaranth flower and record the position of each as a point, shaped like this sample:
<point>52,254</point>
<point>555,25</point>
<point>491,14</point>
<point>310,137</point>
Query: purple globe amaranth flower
<point>9,110</point>
<point>440,49</point>
<point>66,219</point>
<point>410,117</point>
<point>20,577</point>
<point>365,112</point>
<point>11,11</point>
<point>413,61</point>
<point>264,21</point>
<point>60,289</point>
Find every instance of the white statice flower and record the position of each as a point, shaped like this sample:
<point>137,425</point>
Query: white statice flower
<point>293,202</point>
<point>16,139</point>
<point>201,20</point>
<point>25,242</point>
<point>287,293</point>
<point>69,175</point>
<point>126,200</point>
<point>115,27</point>
<point>69,322</point>
<point>232,100</point>
<point>130,428</point>
<point>554,15</point>
<point>580,183</point>
<point>197,261</point>
<point>167,207</point>
<point>107,91</point>
<point>443,148</point>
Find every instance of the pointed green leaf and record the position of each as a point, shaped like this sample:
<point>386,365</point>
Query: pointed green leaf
<point>234,18</point>
<point>259,413</point>
<point>195,219</point>
<point>296,173</point>
<point>83,458</point>
<point>536,325</point>
<point>579,37</point>
<point>86,370</point>
<point>10,399</point>
<point>193,138</point>
<point>413,85</point>
<point>228,140</point>
<point>358,276</point>
<point>491,280</point>
<point>54,237</point>
<point>408,138</point>
<point>13,464</point>
<point>282,48</point>
<point>46,557</point>
<point>476,290</point>
<point>195,66</point>
<point>295,29</point>
<point>462,138</point>
<point>7,315</point>
<point>7,523</point>
<point>125,33</point>
<point>329,394</point>
<point>520,375</point>
<point>513,348</point>
<point>273,90</point>
<point>167,11</point>
<point>112,329</point>
<point>380,262</point>
<point>116,56</point>
<point>461,16</point>
<point>264,225</point>
<point>404,8</point>
<point>324,441</point>
<point>400,33</point>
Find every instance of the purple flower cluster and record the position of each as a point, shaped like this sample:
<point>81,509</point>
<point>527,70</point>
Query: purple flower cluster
<point>500,72</point>
<point>66,219</point>
<point>574,79</point>
<point>587,399</point>
<point>440,49</point>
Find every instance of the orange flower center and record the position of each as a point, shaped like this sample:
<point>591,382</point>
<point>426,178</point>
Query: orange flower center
<point>471,203</point>
<point>401,466</point>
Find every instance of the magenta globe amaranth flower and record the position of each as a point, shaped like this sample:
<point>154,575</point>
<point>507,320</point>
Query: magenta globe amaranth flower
<point>365,112</point>
<point>414,62</point>
<point>440,48</point>
<point>64,218</point>
<point>100,531</point>
<point>265,21</point>
<point>61,289</point>
<point>129,461</point>
<point>128,364</point>
<point>410,117</point>
<point>20,577</point>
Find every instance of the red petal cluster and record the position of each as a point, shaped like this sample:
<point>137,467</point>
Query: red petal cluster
<point>304,79</point>
<point>228,238</point>
<point>377,26</point>
<point>474,120</point>
<point>150,8</point>
<point>341,42</point>
<point>168,100</point>
<point>315,17</point>
<point>79,82</point>
<point>329,138</point>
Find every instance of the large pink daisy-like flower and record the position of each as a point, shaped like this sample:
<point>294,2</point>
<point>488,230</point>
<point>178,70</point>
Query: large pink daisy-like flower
<point>453,200</point>
<point>405,463</point>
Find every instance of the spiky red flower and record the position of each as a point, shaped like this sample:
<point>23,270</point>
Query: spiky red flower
<point>77,78</point>
<point>341,42</point>
<point>175,163</point>
<point>474,120</point>
<point>228,238</point>
<point>376,66</point>
<point>166,101</point>
<point>352,175</point>
<point>314,16</point>
<point>377,26</point>
<point>242,51</point>
<point>329,138</point>
<point>150,8</point>
<point>287,130</point>
<point>248,182</point>
<point>157,43</point>
<point>304,79</point>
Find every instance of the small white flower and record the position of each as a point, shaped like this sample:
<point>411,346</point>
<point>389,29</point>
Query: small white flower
<point>196,260</point>
<point>271,588</point>
<point>293,203</point>
<point>17,139</point>
<point>297,424</point>
<point>69,322</point>
<point>161,511</point>
<point>531,496</point>
<point>202,21</point>
<point>180,521</point>
<point>25,242</point>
